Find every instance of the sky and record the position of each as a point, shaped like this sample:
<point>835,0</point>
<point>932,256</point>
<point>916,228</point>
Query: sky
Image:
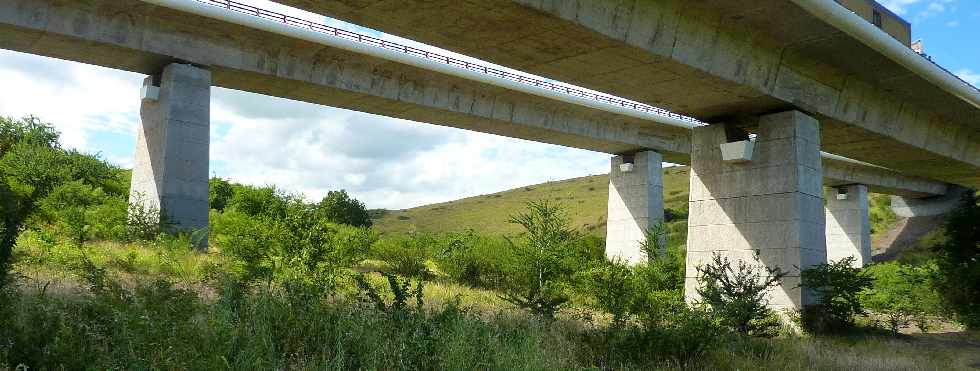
<point>385,162</point>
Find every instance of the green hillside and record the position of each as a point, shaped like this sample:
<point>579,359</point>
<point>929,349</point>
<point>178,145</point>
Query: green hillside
<point>584,198</point>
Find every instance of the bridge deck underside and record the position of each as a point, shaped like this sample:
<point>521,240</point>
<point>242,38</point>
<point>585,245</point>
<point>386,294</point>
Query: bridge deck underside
<point>139,37</point>
<point>714,60</point>
<point>135,36</point>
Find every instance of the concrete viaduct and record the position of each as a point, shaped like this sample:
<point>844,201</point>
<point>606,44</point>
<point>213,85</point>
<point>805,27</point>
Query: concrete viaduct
<point>809,81</point>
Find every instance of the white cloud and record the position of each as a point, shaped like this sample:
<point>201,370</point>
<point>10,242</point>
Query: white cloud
<point>78,99</point>
<point>969,76</point>
<point>386,162</point>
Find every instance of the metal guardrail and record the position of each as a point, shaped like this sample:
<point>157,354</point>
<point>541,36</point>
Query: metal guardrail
<point>455,62</point>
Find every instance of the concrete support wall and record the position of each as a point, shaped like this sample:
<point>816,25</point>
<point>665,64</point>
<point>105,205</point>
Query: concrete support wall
<point>770,208</point>
<point>848,228</point>
<point>636,203</point>
<point>170,173</point>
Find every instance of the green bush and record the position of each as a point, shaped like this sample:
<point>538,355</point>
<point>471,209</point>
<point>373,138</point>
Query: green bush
<point>406,255</point>
<point>837,287</point>
<point>401,292</point>
<point>84,212</point>
<point>902,293</point>
<point>737,295</point>
<point>613,288</point>
<point>959,262</point>
<point>297,248</point>
<point>651,291</point>
<point>473,259</point>
<point>143,219</point>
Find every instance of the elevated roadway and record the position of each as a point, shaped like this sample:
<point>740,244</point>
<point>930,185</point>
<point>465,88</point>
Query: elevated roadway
<point>718,61</point>
<point>142,37</point>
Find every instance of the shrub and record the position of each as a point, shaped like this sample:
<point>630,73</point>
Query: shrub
<point>901,293</point>
<point>737,295</point>
<point>401,291</point>
<point>959,262</point>
<point>84,212</point>
<point>546,255</point>
<point>838,287</point>
<point>298,248</point>
<point>143,220</point>
<point>681,341</point>
<point>473,259</point>
<point>406,256</point>
<point>652,291</point>
<point>613,289</point>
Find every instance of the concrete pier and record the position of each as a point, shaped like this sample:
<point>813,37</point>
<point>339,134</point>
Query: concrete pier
<point>848,228</point>
<point>636,203</point>
<point>170,173</point>
<point>769,208</point>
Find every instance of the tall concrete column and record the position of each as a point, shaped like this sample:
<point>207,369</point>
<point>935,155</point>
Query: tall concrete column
<point>848,228</point>
<point>770,207</point>
<point>170,173</point>
<point>636,203</point>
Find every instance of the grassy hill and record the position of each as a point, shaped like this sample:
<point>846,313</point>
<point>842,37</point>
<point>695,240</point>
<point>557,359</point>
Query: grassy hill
<point>584,199</point>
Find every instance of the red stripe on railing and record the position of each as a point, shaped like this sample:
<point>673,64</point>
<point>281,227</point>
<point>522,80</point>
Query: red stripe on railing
<point>428,55</point>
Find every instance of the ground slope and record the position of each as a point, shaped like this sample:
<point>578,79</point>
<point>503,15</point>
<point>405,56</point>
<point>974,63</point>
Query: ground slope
<point>584,199</point>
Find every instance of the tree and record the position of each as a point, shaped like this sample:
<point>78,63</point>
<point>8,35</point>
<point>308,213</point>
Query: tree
<point>220,192</point>
<point>259,201</point>
<point>545,258</point>
<point>959,262</point>
<point>28,130</point>
<point>340,208</point>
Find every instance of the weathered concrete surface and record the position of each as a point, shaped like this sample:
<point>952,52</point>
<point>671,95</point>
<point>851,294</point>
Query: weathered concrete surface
<point>636,203</point>
<point>848,228</point>
<point>907,207</point>
<point>135,36</point>
<point>714,60</point>
<point>770,208</point>
<point>170,173</point>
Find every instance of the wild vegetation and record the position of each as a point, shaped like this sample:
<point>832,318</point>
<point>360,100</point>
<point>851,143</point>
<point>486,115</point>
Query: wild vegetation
<point>293,284</point>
